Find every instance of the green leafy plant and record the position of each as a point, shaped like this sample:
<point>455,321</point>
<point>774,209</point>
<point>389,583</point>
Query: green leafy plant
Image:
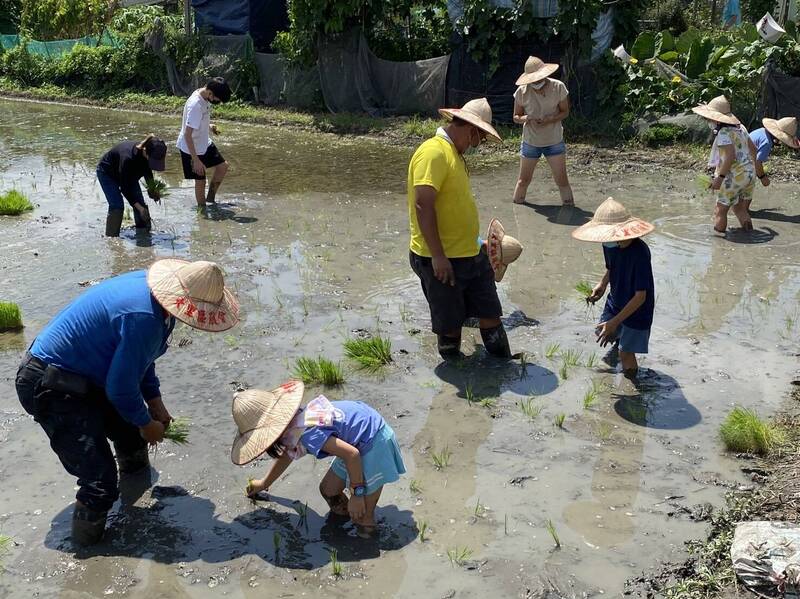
<point>563,371</point>
<point>336,566</point>
<point>178,431</point>
<point>423,528</point>
<point>559,419</point>
<point>530,408</point>
<point>591,361</point>
<point>372,354</point>
<point>703,183</point>
<point>590,396</point>
<point>14,203</point>
<point>743,431</point>
<point>551,529</point>
<point>6,543</point>
<point>584,289</point>
<point>572,358</point>
<point>415,487</point>
<point>10,317</point>
<point>441,460</point>
<point>276,542</point>
<point>552,350</point>
<point>458,556</point>
<point>157,187</point>
<point>488,402</point>
<point>320,371</point>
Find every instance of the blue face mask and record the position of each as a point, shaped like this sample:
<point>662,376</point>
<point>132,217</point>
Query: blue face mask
<point>611,244</point>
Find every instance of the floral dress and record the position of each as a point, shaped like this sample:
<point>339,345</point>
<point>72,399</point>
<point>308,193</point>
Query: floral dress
<point>739,183</point>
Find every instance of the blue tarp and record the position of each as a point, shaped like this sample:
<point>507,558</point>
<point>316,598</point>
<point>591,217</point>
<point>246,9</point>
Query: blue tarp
<point>222,17</point>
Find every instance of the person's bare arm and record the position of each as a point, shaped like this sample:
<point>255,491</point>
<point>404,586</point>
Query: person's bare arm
<point>606,330</point>
<point>278,468</point>
<point>426,217</point>
<point>197,166</point>
<point>599,289</point>
<point>352,460</point>
<point>726,158</point>
<point>520,118</point>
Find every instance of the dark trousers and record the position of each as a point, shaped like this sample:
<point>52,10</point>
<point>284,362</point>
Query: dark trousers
<point>79,427</point>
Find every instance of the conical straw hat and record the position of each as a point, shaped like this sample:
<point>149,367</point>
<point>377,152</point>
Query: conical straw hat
<point>536,70</point>
<point>718,110</point>
<point>194,293</point>
<point>612,222</point>
<point>475,112</point>
<point>784,129</point>
<point>261,417</point>
<point>502,249</point>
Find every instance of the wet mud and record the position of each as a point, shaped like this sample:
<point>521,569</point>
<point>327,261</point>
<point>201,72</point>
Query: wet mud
<point>312,233</point>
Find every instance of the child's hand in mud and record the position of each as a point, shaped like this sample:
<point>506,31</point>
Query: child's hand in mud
<point>357,507</point>
<point>254,487</point>
<point>606,333</point>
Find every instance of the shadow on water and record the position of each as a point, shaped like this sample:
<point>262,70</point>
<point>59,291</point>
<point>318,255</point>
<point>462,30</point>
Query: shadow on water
<point>658,404</point>
<point>516,319</point>
<point>754,237</point>
<point>147,239</point>
<point>179,527</point>
<point>220,212</point>
<point>495,376</point>
<point>561,215</point>
<point>775,216</point>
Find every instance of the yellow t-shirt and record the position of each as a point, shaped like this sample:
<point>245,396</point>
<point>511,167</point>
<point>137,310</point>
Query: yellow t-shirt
<point>437,163</point>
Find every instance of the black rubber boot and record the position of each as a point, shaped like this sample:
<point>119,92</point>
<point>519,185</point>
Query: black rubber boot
<point>211,198</point>
<point>495,341</point>
<point>133,462</point>
<point>142,222</point>
<point>113,223</point>
<point>449,347</point>
<point>88,526</point>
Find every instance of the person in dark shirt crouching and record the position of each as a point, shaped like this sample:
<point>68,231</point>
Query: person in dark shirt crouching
<point>119,172</point>
<point>628,313</point>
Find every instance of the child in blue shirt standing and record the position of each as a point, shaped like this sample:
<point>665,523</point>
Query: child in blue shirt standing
<point>783,130</point>
<point>628,313</point>
<point>365,450</point>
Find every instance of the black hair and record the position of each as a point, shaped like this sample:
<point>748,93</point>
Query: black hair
<point>460,122</point>
<point>220,88</point>
<point>276,450</point>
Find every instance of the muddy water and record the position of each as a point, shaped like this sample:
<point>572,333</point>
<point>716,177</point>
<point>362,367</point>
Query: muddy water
<point>312,232</point>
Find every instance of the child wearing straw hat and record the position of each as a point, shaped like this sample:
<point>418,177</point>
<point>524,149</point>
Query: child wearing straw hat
<point>628,313</point>
<point>733,160</point>
<point>783,130</point>
<point>364,446</point>
<point>541,103</point>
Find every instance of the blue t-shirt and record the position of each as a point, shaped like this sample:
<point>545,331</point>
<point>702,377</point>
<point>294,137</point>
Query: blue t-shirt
<point>629,271</point>
<point>360,425</point>
<point>762,140</point>
<point>112,335</point>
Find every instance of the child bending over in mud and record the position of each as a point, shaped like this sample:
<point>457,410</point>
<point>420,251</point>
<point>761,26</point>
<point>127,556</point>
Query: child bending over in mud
<point>365,450</point>
<point>628,314</point>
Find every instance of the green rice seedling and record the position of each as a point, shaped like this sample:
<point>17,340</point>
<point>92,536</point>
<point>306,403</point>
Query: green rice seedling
<point>479,508</point>
<point>744,431</point>
<point>572,357</point>
<point>584,290</point>
<point>441,460</point>
<point>591,361</point>
<point>276,541</point>
<point>553,533</point>
<point>415,487</point>
<point>423,528</point>
<point>372,354</point>
<point>530,409</point>
<point>563,372</point>
<point>14,203</point>
<point>320,371</point>
<point>604,431</point>
<point>505,525</point>
<point>591,395</point>
<point>559,419</point>
<point>487,402</point>
<point>10,317</point>
<point>458,556</point>
<point>335,565</point>
<point>703,183</point>
<point>302,511</point>
<point>469,394</point>
<point>157,187</point>
<point>178,431</point>
<point>552,350</point>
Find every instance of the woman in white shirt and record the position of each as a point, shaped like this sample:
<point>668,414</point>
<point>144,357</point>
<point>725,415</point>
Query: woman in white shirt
<point>540,105</point>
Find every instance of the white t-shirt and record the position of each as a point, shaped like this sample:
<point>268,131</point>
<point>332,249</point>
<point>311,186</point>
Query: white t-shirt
<point>197,115</point>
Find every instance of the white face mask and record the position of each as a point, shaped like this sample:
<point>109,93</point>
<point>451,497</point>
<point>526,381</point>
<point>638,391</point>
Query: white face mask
<point>538,84</point>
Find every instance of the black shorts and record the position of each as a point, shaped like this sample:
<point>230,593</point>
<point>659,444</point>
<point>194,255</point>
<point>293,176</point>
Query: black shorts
<point>474,294</point>
<point>210,159</point>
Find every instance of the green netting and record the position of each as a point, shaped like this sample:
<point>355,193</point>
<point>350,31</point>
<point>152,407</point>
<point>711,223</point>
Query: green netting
<point>58,48</point>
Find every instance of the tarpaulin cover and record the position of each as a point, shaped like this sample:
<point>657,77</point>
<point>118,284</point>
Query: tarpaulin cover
<point>56,48</point>
<point>353,79</point>
<point>283,84</point>
<point>781,95</point>
<point>267,17</point>
<point>221,17</point>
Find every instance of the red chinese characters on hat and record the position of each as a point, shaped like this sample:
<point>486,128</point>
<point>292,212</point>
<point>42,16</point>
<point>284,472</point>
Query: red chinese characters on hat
<point>215,317</point>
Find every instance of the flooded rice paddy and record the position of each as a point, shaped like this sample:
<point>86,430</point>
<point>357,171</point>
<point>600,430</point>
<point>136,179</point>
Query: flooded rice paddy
<point>312,233</point>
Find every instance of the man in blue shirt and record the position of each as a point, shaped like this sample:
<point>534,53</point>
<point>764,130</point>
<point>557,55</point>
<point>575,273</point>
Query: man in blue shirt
<point>783,130</point>
<point>90,374</point>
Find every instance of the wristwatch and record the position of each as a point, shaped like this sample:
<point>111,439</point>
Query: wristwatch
<point>360,490</point>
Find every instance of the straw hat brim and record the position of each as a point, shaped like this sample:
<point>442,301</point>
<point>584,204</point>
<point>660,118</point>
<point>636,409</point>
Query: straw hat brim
<point>599,232</point>
<point>472,119</point>
<point>174,298</point>
<point>542,73</point>
<point>772,126</point>
<point>715,115</point>
<point>494,248</point>
<point>276,410</point>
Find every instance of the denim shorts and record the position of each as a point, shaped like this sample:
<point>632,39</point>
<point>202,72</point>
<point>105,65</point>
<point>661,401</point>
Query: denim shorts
<point>633,341</point>
<point>528,151</point>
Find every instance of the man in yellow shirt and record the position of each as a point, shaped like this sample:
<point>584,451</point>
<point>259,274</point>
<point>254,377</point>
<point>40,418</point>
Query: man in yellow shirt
<point>456,276</point>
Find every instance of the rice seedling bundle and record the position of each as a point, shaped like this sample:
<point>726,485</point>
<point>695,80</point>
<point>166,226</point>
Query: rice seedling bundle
<point>14,203</point>
<point>157,187</point>
<point>320,371</point>
<point>10,317</point>
<point>178,431</point>
<point>584,289</point>
<point>703,183</point>
<point>372,354</point>
<point>743,431</point>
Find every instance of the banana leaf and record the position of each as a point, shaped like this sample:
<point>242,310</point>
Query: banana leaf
<point>664,43</point>
<point>697,62</point>
<point>670,56</point>
<point>644,47</point>
<point>686,39</point>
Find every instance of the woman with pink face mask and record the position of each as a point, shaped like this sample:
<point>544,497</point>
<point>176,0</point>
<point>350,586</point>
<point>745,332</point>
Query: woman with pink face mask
<point>540,104</point>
